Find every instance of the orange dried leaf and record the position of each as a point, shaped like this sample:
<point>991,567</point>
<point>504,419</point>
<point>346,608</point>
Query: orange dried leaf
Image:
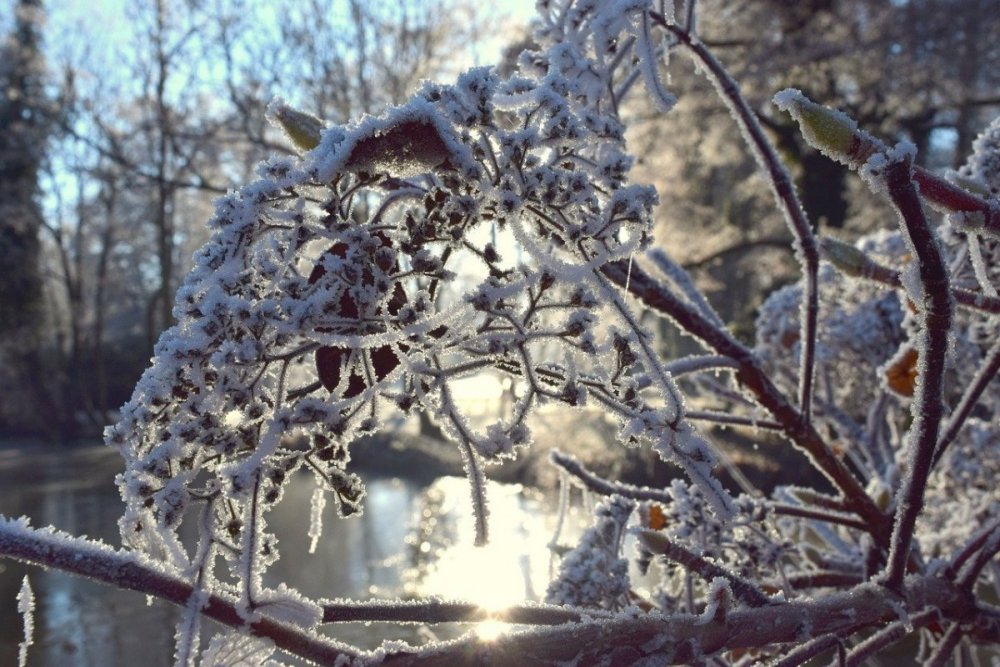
<point>901,375</point>
<point>657,519</point>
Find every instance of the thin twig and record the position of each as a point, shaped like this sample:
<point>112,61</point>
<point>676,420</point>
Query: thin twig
<point>784,193</point>
<point>888,636</point>
<point>473,467</point>
<point>942,653</point>
<point>442,611</point>
<point>969,574</point>
<point>987,371</point>
<point>602,486</point>
<point>754,378</point>
<point>948,197</point>
<point>854,263</point>
<point>824,579</point>
<point>743,589</point>
<point>697,364</point>
<point>974,544</point>
<point>817,514</point>
<point>733,420</point>
<point>808,650</point>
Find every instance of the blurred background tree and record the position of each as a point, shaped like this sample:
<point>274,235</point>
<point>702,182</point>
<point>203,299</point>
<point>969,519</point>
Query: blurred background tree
<point>116,137</point>
<point>120,127</point>
<point>938,86</point>
<point>26,111</point>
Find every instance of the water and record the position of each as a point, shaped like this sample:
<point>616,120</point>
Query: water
<point>384,553</point>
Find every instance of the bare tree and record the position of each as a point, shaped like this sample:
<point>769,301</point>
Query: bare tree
<point>26,109</point>
<point>150,134</point>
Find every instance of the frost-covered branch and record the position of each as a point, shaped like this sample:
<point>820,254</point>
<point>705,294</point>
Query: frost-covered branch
<point>855,263</point>
<point>446,611</point>
<point>936,315</point>
<point>887,636</point>
<point>806,250</point>
<point>984,375</point>
<point>838,137</point>
<point>132,571</point>
<point>742,589</point>
<point>806,651</point>
<point>681,639</point>
<point>602,486</point>
<point>755,379</point>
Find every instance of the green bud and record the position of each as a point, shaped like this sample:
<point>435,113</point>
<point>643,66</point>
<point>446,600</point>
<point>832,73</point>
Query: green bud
<point>302,128</point>
<point>845,257</point>
<point>829,131</point>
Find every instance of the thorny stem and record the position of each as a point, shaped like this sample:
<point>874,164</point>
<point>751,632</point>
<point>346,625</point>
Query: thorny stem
<point>784,193</point>
<point>935,315</point>
<point>753,377</point>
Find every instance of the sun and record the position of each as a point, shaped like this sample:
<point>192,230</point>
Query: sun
<point>512,569</point>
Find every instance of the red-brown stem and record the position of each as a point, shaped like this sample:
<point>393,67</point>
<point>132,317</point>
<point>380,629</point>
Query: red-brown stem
<point>949,197</point>
<point>126,571</point>
<point>784,194</point>
<point>935,314</point>
<point>753,378</point>
<point>987,371</point>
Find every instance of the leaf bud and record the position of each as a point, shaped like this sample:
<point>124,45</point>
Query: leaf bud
<point>829,131</point>
<point>845,257</point>
<point>302,128</point>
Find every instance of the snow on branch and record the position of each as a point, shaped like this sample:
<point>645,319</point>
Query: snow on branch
<point>134,571</point>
